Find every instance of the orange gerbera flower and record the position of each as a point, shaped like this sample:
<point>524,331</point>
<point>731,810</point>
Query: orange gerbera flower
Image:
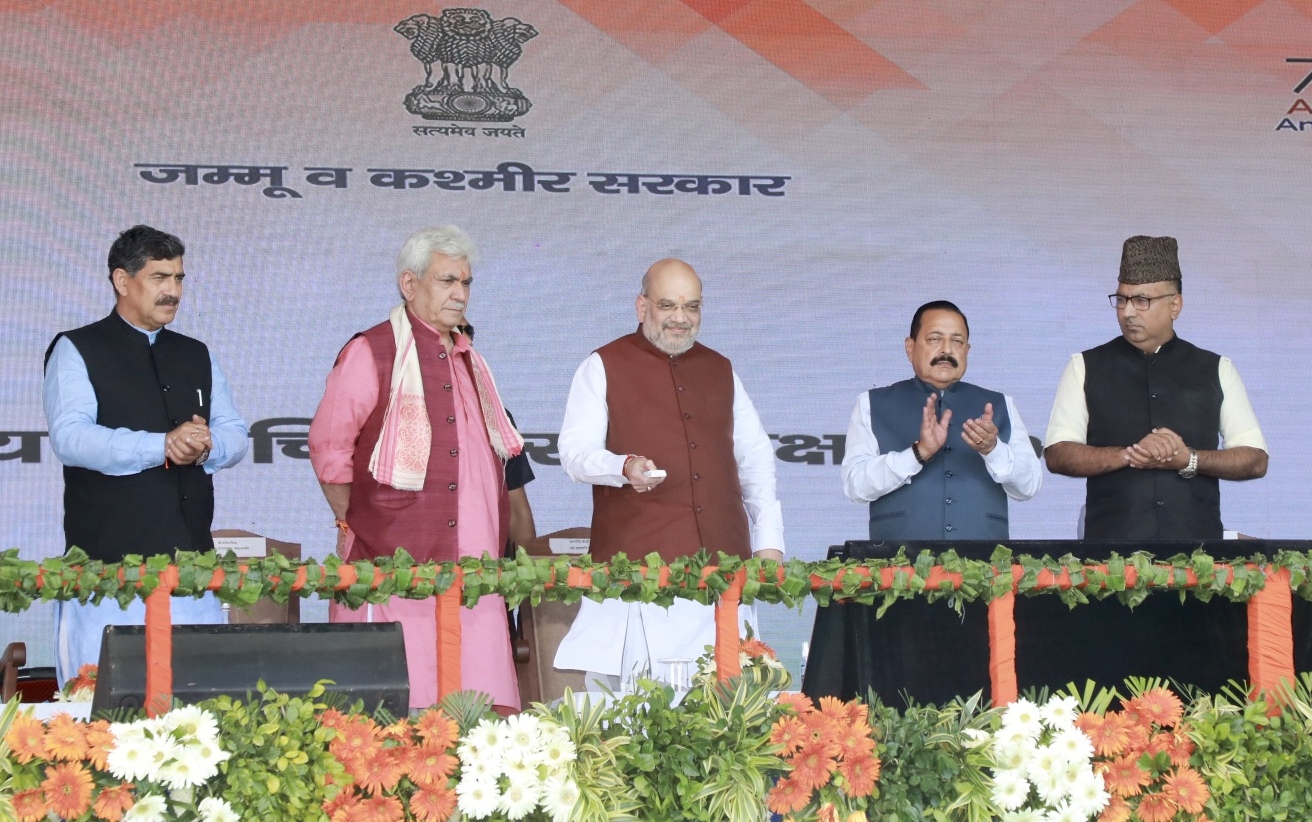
<point>1124,777</point>
<point>29,805</point>
<point>813,766</point>
<point>384,809</point>
<point>381,772</point>
<point>1088,721</point>
<point>853,740</point>
<point>790,732</point>
<point>65,739</point>
<point>798,701</point>
<point>430,767</point>
<point>828,813</point>
<point>437,729</point>
<point>1180,749</point>
<point>1137,735</point>
<point>397,731</point>
<point>357,738</point>
<point>834,708</point>
<point>26,739</point>
<point>756,649</point>
<point>1117,810</point>
<point>1110,735</point>
<point>67,787</point>
<point>860,773</point>
<point>433,806</point>
<point>344,807</point>
<point>113,802</point>
<point>787,796</point>
<point>333,718</point>
<point>1158,743</point>
<point>98,738</point>
<point>1157,807</point>
<point>1158,706</point>
<point>1188,789</point>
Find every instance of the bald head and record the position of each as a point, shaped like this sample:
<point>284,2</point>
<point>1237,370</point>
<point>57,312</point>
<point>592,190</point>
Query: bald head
<point>670,305</point>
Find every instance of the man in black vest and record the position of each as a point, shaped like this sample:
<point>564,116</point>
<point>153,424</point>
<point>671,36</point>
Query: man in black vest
<point>141,418</point>
<point>935,457</point>
<point>1140,416</point>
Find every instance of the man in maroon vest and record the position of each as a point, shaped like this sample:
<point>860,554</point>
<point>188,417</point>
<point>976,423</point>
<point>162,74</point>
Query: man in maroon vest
<point>409,444</point>
<point>662,429</point>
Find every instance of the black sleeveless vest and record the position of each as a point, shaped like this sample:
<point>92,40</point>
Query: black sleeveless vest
<point>141,387</point>
<point>1129,393</point>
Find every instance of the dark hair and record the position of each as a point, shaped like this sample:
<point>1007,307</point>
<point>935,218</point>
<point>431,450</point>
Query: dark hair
<point>937,305</point>
<point>141,243</point>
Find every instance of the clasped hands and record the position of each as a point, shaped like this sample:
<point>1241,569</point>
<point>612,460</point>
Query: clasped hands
<point>1162,448</point>
<point>980,434</point>
<point>186,443</point>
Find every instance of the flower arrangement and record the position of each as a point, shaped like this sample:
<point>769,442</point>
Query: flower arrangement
<point>80,688</point>
<point>1042,764</point>
<point>516,767</point>
<point>1143,754</point>
<point>140,771</point>
<point>829,757</point>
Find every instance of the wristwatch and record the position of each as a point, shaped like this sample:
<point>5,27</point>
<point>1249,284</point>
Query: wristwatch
<point>1191,470</point>
<point>204,455</point>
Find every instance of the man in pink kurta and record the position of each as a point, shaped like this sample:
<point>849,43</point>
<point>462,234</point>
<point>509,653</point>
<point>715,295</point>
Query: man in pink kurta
<point>455,503</point>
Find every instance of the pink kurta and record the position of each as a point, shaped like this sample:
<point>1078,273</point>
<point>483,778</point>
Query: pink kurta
<point>349,397</point>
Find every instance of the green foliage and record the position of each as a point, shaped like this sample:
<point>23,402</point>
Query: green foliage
<point>280,767</point>
<point>1256,766</point>
<point>604,793</point>
<point>931,768</point>
<point>705,759</point>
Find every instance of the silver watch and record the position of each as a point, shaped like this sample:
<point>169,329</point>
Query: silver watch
<point>1191,470</point>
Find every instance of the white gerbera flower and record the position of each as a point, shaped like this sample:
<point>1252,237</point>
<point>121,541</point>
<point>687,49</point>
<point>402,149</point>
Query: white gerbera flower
<point>523,731</point>
<point>1010,789</point>
<point>1073,745</point>
<point>559,796</point>
<point>1065,813</point>
<point>519,799</point>
<point>1052,785</point>
<point>486,769</point>
<point>131,760</point>
<point>191,722</point>
<point>184,770</point>
<point>1045,761</point>
<point>1023,714</point>
<point>1060,712</point>
<point>477,798</point>
<point>1089,794</point>
<point>1015,736</point>
<point>522,769</point>
<point>558,752</point>
<point>147,809</point>
<point>1025,815</point>
<point>1013,756</point>
<point>214,809</point>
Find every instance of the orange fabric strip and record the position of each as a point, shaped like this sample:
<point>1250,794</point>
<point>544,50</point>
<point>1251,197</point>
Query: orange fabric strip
<point>1002,649</point>
<point>159,644</point>
<point>448,636</point>
<point>727,644</point>
<point>1271,635</point>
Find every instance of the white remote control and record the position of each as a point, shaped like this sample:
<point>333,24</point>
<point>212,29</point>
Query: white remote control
<point>654,473</point>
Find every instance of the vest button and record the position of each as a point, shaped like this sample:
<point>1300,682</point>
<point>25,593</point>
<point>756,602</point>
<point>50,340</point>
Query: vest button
<point>698,509</point>
<point>1153,396</point>
<point>173,423</point>
<point>455,452</point>
<point>446,387</point>
<point>164,388</point>
<point>450,419</point>
<point>692,445</point>
<point>1161,504</point>
<point>696,476</point>
<point>687,416</point>
<point>680,387</point>
<point>947,449</point>
<point>948,501</point>
<point>450,523</point>
<point>184,497</point>
<point>441,355</point>
<point>947,474</point>
<point>451,487</point>
<point>947,527</point>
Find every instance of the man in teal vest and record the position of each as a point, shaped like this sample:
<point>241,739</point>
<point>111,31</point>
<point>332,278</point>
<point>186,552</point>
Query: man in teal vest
<point>937,458</point>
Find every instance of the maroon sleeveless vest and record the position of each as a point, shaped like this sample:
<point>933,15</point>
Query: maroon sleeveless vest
<point>678,411</point>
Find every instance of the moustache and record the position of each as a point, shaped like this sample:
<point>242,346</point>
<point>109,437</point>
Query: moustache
<point>167,301</point>
<point>947,358</point>
<point>677,326</point>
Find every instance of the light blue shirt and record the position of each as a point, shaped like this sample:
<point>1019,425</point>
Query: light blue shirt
<point>77,440</point>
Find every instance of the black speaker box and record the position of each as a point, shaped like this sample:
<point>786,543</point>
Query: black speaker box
<point>364,660</point>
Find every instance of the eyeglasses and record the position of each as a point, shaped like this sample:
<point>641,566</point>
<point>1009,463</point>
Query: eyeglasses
<point>669,306</point>
<point>1141,303</point>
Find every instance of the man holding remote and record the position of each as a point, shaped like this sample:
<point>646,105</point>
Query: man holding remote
<point>663,430</point>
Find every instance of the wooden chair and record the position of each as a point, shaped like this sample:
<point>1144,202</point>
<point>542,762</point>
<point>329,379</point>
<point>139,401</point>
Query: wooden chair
<point>29,684</point>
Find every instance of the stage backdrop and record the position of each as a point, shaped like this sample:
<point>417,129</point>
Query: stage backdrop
<point>827,166</point>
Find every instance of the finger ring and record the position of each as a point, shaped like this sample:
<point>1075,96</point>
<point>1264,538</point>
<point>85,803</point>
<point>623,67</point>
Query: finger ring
<point>979,442</point>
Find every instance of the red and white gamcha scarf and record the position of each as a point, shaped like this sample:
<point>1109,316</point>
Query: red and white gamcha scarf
<point>400,457</point>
